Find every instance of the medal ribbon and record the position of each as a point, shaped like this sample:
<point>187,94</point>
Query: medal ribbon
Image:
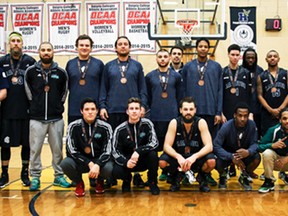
<point>89,141</point>
<point>15,70</point>
<point>122,68</point>
<point>164,80</point>
<point>83,73</point>
<point>233,81</point>
<point>271,78</point>
<point>202,70</point>
<point>187,136</point>
<point>45,75</point>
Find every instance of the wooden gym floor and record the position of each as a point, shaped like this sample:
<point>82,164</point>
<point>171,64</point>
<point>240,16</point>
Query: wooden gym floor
<point>16,199</point>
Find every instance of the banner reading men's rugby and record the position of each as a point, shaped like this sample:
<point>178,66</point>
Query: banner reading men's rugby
<point>3,27</point>
<point>64,27</point>
<point>103,25</point>
<point>136,17</point>
<point>28,20</point>
<point>243,27</point>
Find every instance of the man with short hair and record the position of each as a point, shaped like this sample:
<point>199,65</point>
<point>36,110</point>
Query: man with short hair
<point>14,109</point>
<point>274,148</point>
<point>176,54</point>
<point>236,142</point>
<point>134,144</point>
<point>88,148</point>
<point>46,88</point>
<point>188,147</point>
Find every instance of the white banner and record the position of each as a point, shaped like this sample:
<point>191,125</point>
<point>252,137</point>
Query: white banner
<point>3,27</point>
<point>28,20</point>
<point>64,26</point>
<point>103,25</point>
<point>136,18</point>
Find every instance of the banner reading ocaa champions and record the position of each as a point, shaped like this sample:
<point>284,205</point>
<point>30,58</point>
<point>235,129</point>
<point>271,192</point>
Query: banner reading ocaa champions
<point>243,27</point>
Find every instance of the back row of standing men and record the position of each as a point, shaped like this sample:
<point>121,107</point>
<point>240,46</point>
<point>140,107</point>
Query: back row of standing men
<point>215,90</point>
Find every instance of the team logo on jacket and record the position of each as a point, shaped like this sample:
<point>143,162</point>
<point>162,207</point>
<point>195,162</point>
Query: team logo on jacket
<point>97,135</point>
<point>142,134</point>
<point>7,139</point>
<point>54,76</point>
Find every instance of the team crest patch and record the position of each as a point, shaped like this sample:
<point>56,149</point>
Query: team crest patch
<point>142,134</point>
<point>7,139</point>
<point>97,135</point>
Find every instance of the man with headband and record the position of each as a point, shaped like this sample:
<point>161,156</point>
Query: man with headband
<point>14,109</point>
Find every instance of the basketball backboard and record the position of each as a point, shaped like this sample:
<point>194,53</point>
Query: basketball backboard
<point>209,14</point>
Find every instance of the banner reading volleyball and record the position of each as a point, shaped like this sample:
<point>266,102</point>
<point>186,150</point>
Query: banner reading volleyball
<point>3,27</point>
<point>64,27</point>
<point>28,20</point>
<point>103,25</point>
<point>243,27</point>
<point>136,18</point>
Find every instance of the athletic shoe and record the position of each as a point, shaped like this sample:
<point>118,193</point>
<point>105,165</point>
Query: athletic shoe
<point>99,189</point>
<point>4,181</point>
<point>137,181</point>
<point>154,188</point>
<point>243,180</point>
<point>267,186</point>
<point>25,177</point>
<point>232,171</point>
<point>190,176</point>
<point>35,184</point>
<point>185,182</point>
<point>253,175</point>
<point>283,177</point>
<point>61,181</point>
<point>210,180</point>
<point>126,186</point>
<point>92,182</point>
<point>203,184</point>
<point>80,189</point>
<point>262,177</point>
<point>250,179</point>
<point>163,177</point>
<point>222,182</point>
<point>110,182</point>
<point>175,186</point>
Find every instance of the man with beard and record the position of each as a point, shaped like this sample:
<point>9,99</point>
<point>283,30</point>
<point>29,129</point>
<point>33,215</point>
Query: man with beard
<point>164,89</point>
<point>14,109</point>
<point>176,54</point>
<point>272,86</point>
<point>188,147</point>
<point>46,88</point>
<point>122,79</point>
<point>236,142</point>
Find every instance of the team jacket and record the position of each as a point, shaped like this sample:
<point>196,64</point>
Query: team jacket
<point>272,135</point>
<point>46,106</point>
<point>226,142</point>
<point>100,145</point>
<point>124,145</point>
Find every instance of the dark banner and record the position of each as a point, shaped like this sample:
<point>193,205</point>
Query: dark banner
<point>243,27</point>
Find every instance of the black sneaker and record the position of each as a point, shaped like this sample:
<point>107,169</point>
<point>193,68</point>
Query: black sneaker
<point>110,182</point>
<point>4,181</point>
<point>203,184</point>
<point>243,180</point>
<point>92,182</point>
<point>137,181</point>
<point>283,177</point>
<point>222,182</point>
<point>154,188</point>
<point>25,177</point>
<point>175,187</point>
<point>232,171</point>
<point>267,186</point>
<point>126,186</point>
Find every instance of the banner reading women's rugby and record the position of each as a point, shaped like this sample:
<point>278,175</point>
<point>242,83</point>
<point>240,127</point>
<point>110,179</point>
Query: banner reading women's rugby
<point>3,27</point>
<point>136,18</point>
<point>64,27</point>
<point>103,25</point>
<point>243,27</point>
<point>28,20</point>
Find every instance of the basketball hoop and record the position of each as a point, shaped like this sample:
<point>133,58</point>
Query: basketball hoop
<point>186,27</point>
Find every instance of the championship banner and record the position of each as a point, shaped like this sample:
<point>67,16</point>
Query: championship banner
<point>103,25</point>
<point>63,26</point>
<point>136,18</point>
<point>28,20</point>
<point>243,27</point>
<point>3,27</point>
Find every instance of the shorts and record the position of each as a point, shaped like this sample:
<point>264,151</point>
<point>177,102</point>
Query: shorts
<point>14,132</point>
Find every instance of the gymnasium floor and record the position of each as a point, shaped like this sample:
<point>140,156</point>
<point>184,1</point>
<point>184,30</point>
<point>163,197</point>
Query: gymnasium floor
<point>16,199</point>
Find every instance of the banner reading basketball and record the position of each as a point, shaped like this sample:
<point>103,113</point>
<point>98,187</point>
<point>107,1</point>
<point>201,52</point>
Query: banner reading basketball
<point>136,18</point>
<point>64,26</point>
<point>103,25</point>
<point>3,27</point>
<point>28,20</point>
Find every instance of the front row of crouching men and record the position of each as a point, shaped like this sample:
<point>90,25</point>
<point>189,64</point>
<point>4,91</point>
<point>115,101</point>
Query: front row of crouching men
<point>188,149</point>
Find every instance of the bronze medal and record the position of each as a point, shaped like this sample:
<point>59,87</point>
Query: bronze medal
<point>274,89</point>
<point>164,94</point>
<point>82,82</point>
<point>14,79</point>
<point>233,90</point>
<point>46,88</point>
<point>87,150</point>
<point>201,82</point>
<point>123,80</point>
<point>187,149</point>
